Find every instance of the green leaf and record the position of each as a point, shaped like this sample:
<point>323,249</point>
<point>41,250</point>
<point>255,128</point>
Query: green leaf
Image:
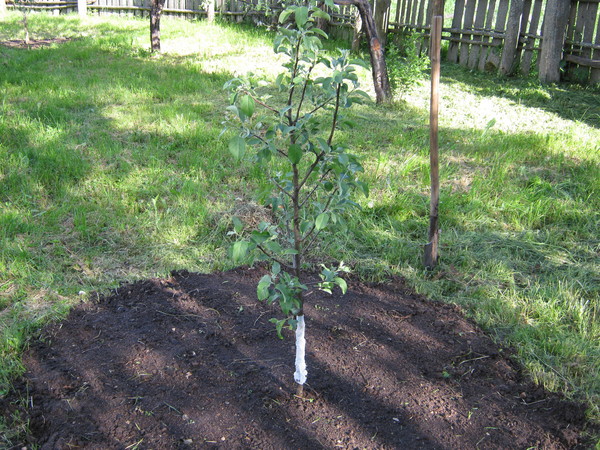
<point>279,326</point>
<point>295,153</point>
<point>322,220</point>
<point>301,16</point>
<point>285,14</point>
<point>258,237</point>
<point>321,15</point>
<point>247,105</point>
<point>240,250</point>
<point>321,32</point>
<point>342,284</point>
<point>237,147</point>
<point>275,268</point>
<point>238,226</point>
<point>262,290</point>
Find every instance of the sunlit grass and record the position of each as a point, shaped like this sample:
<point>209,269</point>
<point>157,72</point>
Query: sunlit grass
<point>113,168</point>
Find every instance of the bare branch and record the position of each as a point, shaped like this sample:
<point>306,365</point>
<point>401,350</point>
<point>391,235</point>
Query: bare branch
<point>273,258</point>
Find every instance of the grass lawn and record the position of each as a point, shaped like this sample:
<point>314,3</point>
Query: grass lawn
<point>112,169</point>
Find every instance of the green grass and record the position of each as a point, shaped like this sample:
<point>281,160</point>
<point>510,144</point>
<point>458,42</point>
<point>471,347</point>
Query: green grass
<point>112,168</point>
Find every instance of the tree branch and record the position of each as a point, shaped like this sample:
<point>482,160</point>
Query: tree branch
<point>273,258</point>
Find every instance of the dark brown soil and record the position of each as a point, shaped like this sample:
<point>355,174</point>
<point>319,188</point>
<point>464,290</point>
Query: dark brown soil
<point>193,362</point>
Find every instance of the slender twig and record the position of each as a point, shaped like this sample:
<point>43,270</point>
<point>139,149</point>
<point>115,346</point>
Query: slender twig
<point>306,248</point>
<point>322,105</point>
<point>335,114</point>
<point>310,194</point>
<point>261,103</point>
<point>304,91</point>
<point>311,169</point>
<point>277,260</point>
<point>294,73</point>
<point>281,188</point>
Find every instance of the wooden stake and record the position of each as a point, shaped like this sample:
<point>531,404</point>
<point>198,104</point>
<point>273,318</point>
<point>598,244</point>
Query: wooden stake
<point>431,248</point>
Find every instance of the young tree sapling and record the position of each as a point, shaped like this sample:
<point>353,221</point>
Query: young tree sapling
<point>311,176</point>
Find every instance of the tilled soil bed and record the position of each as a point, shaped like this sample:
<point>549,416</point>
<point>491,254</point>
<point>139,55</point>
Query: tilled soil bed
<point>193,362</point>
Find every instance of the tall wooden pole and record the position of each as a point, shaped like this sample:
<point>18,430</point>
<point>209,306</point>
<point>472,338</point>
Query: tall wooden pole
<point>431,248</point>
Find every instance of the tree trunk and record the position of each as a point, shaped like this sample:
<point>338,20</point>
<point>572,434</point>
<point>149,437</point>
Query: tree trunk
<point>358,32</point>
<point>382,8</point>
<point>155,13</point>
<point>381,82</point>
<point>2,8</point>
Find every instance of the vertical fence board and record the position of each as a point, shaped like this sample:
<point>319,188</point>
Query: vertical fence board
<point>485,49</point>
<point>522,30</point>
<point>399,6</point>
<point>479,22</point>
<point>463,57</point>
<point>511,38</point>
<point>493,59</point>
<point>459,8</point>
<point>414,12</point>
<point>595,75</point>
<point>530,41</point>
<point>419,22</point>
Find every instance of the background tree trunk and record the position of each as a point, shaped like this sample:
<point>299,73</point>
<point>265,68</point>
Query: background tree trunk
<point>358,32</point>
<point>155,13</point>
<point>381,82</point>
<point>382,8</point>
<point>2,8</point>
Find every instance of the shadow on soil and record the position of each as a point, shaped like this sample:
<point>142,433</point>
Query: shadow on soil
<point>193,362</point>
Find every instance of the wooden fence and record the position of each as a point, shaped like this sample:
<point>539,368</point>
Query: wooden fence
<point>508,35</point>
<point>489,35</point>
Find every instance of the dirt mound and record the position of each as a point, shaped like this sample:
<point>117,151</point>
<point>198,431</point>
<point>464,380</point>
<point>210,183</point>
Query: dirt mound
<point>193,362</point>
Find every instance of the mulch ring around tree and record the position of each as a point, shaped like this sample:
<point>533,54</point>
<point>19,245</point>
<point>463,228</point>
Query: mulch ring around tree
<point>192,361</point>
<point>33,43</point>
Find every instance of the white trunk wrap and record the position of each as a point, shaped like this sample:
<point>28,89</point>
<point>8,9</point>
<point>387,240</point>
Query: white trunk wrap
<point>300,374</point>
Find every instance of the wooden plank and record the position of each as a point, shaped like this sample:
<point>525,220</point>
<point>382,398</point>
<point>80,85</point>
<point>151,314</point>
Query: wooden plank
<point>484,52</point>
<point>524,23</point>
<point>463,57</point>
<point>427,23</point>
<point>420,21</point>
<point>511,41</point>
<point>414,12</point>
<point>406,11</point>
<point>479,22</point>
<point>587,62</point>
<point>555,23</point>
<point>595,75</point>
<point>530,41</point>
<point>399,5</point>
<point>576,49</point>
<point>456,23</point>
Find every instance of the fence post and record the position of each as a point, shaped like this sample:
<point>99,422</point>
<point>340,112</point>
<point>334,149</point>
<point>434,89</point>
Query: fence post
<point>556,18</point>
<point>511,38</point>
<point>2,8</point>
<point>430,256</point>
<point>82,8</point>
